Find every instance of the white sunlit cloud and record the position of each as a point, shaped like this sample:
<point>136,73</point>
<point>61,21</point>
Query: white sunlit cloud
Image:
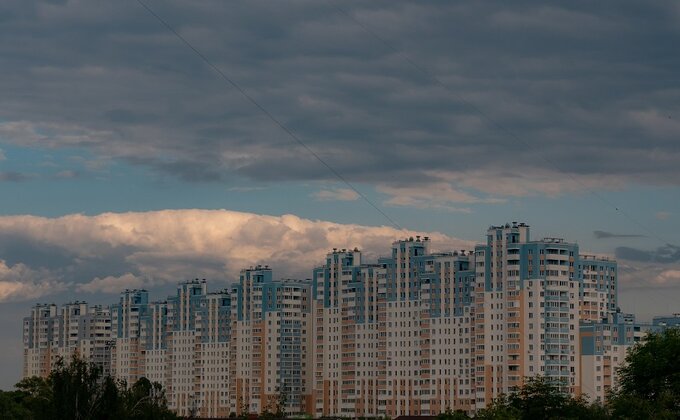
<point>143,249</point>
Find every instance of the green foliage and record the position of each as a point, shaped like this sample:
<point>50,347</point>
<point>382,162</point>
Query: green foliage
<point>75,390</point>
<point>649,381</point>
<point>146,401</point>
<point>243,408</point>
<point>538,398</point>
<point>36,396</point>
<point>281,401</point>
<point>12,406</point>
<point>275,408</point>
<point>499,409</point>
<point>453,415</point>
<point>78,391</point>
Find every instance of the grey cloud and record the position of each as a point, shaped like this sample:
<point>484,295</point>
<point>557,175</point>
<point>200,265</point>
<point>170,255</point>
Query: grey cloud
<point>581,83</point>
<point>67,174</point>
<point>191,171</point>
<point>125,116</point>
<point>16,248</point>
<point>12,176</point>
<point>665,254</point>
<point>601,234</point>
<point>62,261</point>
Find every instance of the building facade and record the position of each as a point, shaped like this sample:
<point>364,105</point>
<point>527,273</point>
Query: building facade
<point>527,319</point>
<point>51,334</point>
<point>599,292</point>
<point>126,326</point>
<point>393,338</point>
<point>39,335</point>
<point>271,344</point>
<point>181,343</point>
<point>604,345</point>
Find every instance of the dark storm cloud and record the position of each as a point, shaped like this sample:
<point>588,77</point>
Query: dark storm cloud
<point>665,254</point>
<point>588,87</point>
<point>601,234</point>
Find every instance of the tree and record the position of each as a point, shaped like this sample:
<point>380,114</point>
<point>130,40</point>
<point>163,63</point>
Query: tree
<point>499,409</point>
<point>452,415</point>
<point>75,390</point>
<point>243,409</point>
<point>275,405</point>
<point>281,401</point>
<point>110,401</point>
<point>649,380</point>
<point>146,400</point>
<point>540,398</point>
<point>12,406</point>
<point>37,396</point>
<point>78,391</point>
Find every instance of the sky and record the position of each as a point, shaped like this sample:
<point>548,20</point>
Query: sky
<point>127,160</point>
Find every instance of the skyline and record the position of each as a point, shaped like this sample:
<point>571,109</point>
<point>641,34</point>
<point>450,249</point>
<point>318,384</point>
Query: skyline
<point>364,338</point>
<point>293,261</point>
<point>125,159</point>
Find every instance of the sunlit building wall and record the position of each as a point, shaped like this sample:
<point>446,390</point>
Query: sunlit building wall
<point>527,319</point>
<point>271,328</point>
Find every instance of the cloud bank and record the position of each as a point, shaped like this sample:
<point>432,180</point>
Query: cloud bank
<point>113,251</point>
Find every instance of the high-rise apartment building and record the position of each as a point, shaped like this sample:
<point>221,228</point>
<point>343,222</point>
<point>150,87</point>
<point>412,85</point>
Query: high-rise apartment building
<point>349,336</point>
<point>153,342</point>
<point>52,333</point>
<point>271,342</point>
<point>86,331</point>
<point>604,344</point>
<point>599,293</point>
<point>181,343</point>
<point>526,318</point>
<point>126,326</point>
<point>182,382</point>
<point>393,338</point>
<point>40,331</point>
<point>214,342</point>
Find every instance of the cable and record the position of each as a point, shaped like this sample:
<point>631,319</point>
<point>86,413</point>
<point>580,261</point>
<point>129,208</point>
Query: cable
<point>268,114</point>
<point>500,127</point>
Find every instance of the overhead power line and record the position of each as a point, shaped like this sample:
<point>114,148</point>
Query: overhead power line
<point>268,114</point>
